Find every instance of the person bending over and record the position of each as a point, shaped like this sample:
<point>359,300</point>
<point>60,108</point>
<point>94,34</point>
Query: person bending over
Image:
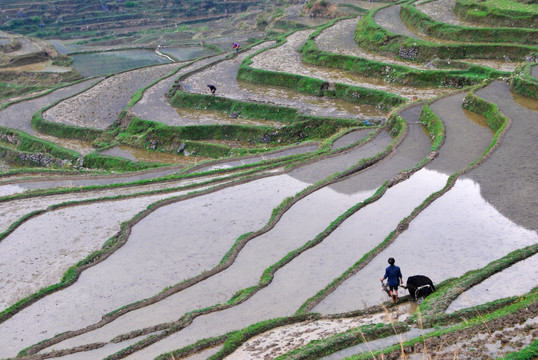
<point>212,88</point>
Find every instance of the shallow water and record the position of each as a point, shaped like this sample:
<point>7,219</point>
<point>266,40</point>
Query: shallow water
<point>305,270</point>
<point>39,258</point>
<point>460,222</point>
<point>508,177</point>
<point>187,53</point>
<point>500,285</point>
<point>103,63</point>
<point>254,159</point>
<point>351,138</point>
<point>310,104</point>
<point>529,103</point>
<point>136,154</point>
<point>80,146</point>
<point>184,239</point>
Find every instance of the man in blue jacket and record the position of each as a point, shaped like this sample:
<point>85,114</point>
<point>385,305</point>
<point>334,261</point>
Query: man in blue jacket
<point>392,274</point>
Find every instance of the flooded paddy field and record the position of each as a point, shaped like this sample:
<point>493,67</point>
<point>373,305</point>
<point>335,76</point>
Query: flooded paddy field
<point>300,230</point>
<point>104,63</point>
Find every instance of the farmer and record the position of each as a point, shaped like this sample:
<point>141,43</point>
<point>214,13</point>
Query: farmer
<point>392,274</point>
<point>235,46</point>
<point>212,88</point>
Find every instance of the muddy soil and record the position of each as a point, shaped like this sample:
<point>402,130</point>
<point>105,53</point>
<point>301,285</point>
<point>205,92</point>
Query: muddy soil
<point>339,39</point>
<point>18,116</point>
<point>442,11</point>
<point>101,105</point>
<point>224,77</point>
<point>498,338</point>
<point>286,58</point>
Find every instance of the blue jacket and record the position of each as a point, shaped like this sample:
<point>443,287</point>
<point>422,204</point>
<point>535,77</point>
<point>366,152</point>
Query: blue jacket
<point>393,274</point>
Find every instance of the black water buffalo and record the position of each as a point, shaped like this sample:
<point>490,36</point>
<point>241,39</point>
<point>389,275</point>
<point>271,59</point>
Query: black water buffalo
<point>419,286</point>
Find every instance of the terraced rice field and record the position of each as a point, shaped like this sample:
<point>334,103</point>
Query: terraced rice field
<point>280,242</point>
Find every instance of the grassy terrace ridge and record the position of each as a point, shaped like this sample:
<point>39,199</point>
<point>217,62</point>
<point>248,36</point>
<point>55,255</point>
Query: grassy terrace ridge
<point>510,13</point>
<point>373,37</point>
<point>400,74</point>
<point>418,20</point>
<point>523,83</point>
<point>355,94</point>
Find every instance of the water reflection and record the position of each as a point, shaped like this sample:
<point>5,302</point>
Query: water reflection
<point>458,232</point>
<point>114,61</point>
<point>478,119</point>
<point>516,280</point>
<point>529,103</point>
<point>318,101</point>
<point>6,190</point>
<point>135,154</point>
<point>187,53</point>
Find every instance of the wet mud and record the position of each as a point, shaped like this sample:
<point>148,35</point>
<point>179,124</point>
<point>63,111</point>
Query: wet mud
<point>18,116</point>
<point>339,39</point>
<point>224,77</point>
<point>442,11</point>
<point>285,58</point>
<point>101,105</point>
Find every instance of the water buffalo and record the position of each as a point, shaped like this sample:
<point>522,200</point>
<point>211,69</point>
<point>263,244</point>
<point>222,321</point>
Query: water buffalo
<point>419,286</point>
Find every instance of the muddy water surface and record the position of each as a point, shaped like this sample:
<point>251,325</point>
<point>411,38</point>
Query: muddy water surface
<point>184,239</point>
<point>187,53</point>
<point>254,159</point>
<point>389,19</point>
<point>351,138</point>
<point>508,178</point>
<point>301,278</point>
<point>446,240</point>
<point>38,253</point>
<point>136,154</point>
<point>110,62</point>
<point>531,104</point>
<point>315,210</point>
<point>516,280</point>
<point>309,104</point>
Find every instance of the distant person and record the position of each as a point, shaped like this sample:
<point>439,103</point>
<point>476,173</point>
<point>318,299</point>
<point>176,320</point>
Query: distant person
<point>212,88</point>
<point>392,274</point>
<point>235,46</point>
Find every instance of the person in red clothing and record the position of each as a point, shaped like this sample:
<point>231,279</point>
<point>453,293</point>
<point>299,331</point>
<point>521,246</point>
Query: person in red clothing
<point>393,274</point>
